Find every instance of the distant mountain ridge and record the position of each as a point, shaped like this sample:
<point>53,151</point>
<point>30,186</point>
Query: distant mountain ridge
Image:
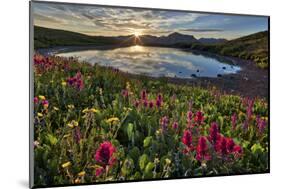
<point>47,37</point>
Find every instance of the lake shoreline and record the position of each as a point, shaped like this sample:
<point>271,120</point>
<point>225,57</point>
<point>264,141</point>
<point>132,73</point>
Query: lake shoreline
<point>250,81</point>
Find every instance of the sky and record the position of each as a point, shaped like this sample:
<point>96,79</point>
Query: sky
<point>108,21</point>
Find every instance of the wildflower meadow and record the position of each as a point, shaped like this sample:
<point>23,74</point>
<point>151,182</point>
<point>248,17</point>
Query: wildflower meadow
<point>97,124</point>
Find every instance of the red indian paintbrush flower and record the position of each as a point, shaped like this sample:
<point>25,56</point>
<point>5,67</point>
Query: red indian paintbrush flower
<point>175,125</point>
<point>187,138</point>
<point>104,154</point>
<point>223,146</point>
<point>151,104</point>
<point>99,171</point>
<point>159,100</point>
<point>230,145</point>
<point>199,118</point>
<point>143,95</point>
<point>214,133</point>
<point>202,149</point>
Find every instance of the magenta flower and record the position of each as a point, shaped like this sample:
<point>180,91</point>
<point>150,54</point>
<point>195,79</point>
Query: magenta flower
<point>230,145</point>
<point>99,171</point>
<point>249,110</point>
<point>145,103</point>
<point>164,121</point>
<point>159,100</point>
<point>187,138</point>
<point>151,104</point>
<point>261,124</point>
<point>36,100</point>
<point>76,81</point>
<point>104,154</point>
<point>223,146</point>
<point>125,93</point>
<point>158,103</point>
<point>214,135</point>
<point>234,121</point>
<point>143,95</point>
<point>175,125</point>
<point>189,116</point>
<point>199,118</point>
<point>202,150</point>
<point>45,102</point>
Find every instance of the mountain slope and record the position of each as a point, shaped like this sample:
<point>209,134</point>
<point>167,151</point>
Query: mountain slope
<point>46,37</point>
<point>252,47</point>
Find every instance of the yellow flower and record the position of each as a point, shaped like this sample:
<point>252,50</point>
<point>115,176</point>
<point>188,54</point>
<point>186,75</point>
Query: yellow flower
<point>39,114</point>
<point>70,125</point>
<point>85,110</point>
<point>41,97</point>
<point>75,123</point>
<point>65,165</point>
<point>70,106</point>
<point>63,83</point>
<point>81,174</point>
<point>113,119</point>
<point>94,110</point>
<point>168,161</point>
<point>55,108</point>
<point>77,181</point>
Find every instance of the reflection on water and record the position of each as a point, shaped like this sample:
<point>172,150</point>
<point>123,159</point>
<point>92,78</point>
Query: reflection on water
<point>156,61</point>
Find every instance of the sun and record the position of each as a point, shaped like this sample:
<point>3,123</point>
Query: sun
<point>137,34</point>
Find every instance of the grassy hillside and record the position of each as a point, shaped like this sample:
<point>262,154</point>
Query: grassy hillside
<point>46,37</point>
<point>252,47</point>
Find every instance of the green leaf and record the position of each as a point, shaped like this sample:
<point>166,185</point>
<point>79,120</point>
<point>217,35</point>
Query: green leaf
<point>147,141</point>
<point>127,167</point>
<point>143,160</point>
<point>134,154</point>
<point>52,139</point>
<point>130,130</point>
<point>149,167</point>
<point>256,148</point>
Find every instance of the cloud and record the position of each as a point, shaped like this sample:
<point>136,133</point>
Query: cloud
<point>203,30</point>
<point>93,20</point>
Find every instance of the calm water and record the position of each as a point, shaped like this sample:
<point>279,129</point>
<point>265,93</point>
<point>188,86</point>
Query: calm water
<point>156,61</point>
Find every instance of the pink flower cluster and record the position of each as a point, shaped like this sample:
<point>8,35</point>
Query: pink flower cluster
<point>76,81</point>
<point>223,146</point>
<point>146,102</point>
<point>42,63</point>
<point>196,119</point>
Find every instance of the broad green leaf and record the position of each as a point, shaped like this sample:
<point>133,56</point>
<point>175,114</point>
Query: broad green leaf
<point>147,141</point>
<point>143,160</point>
